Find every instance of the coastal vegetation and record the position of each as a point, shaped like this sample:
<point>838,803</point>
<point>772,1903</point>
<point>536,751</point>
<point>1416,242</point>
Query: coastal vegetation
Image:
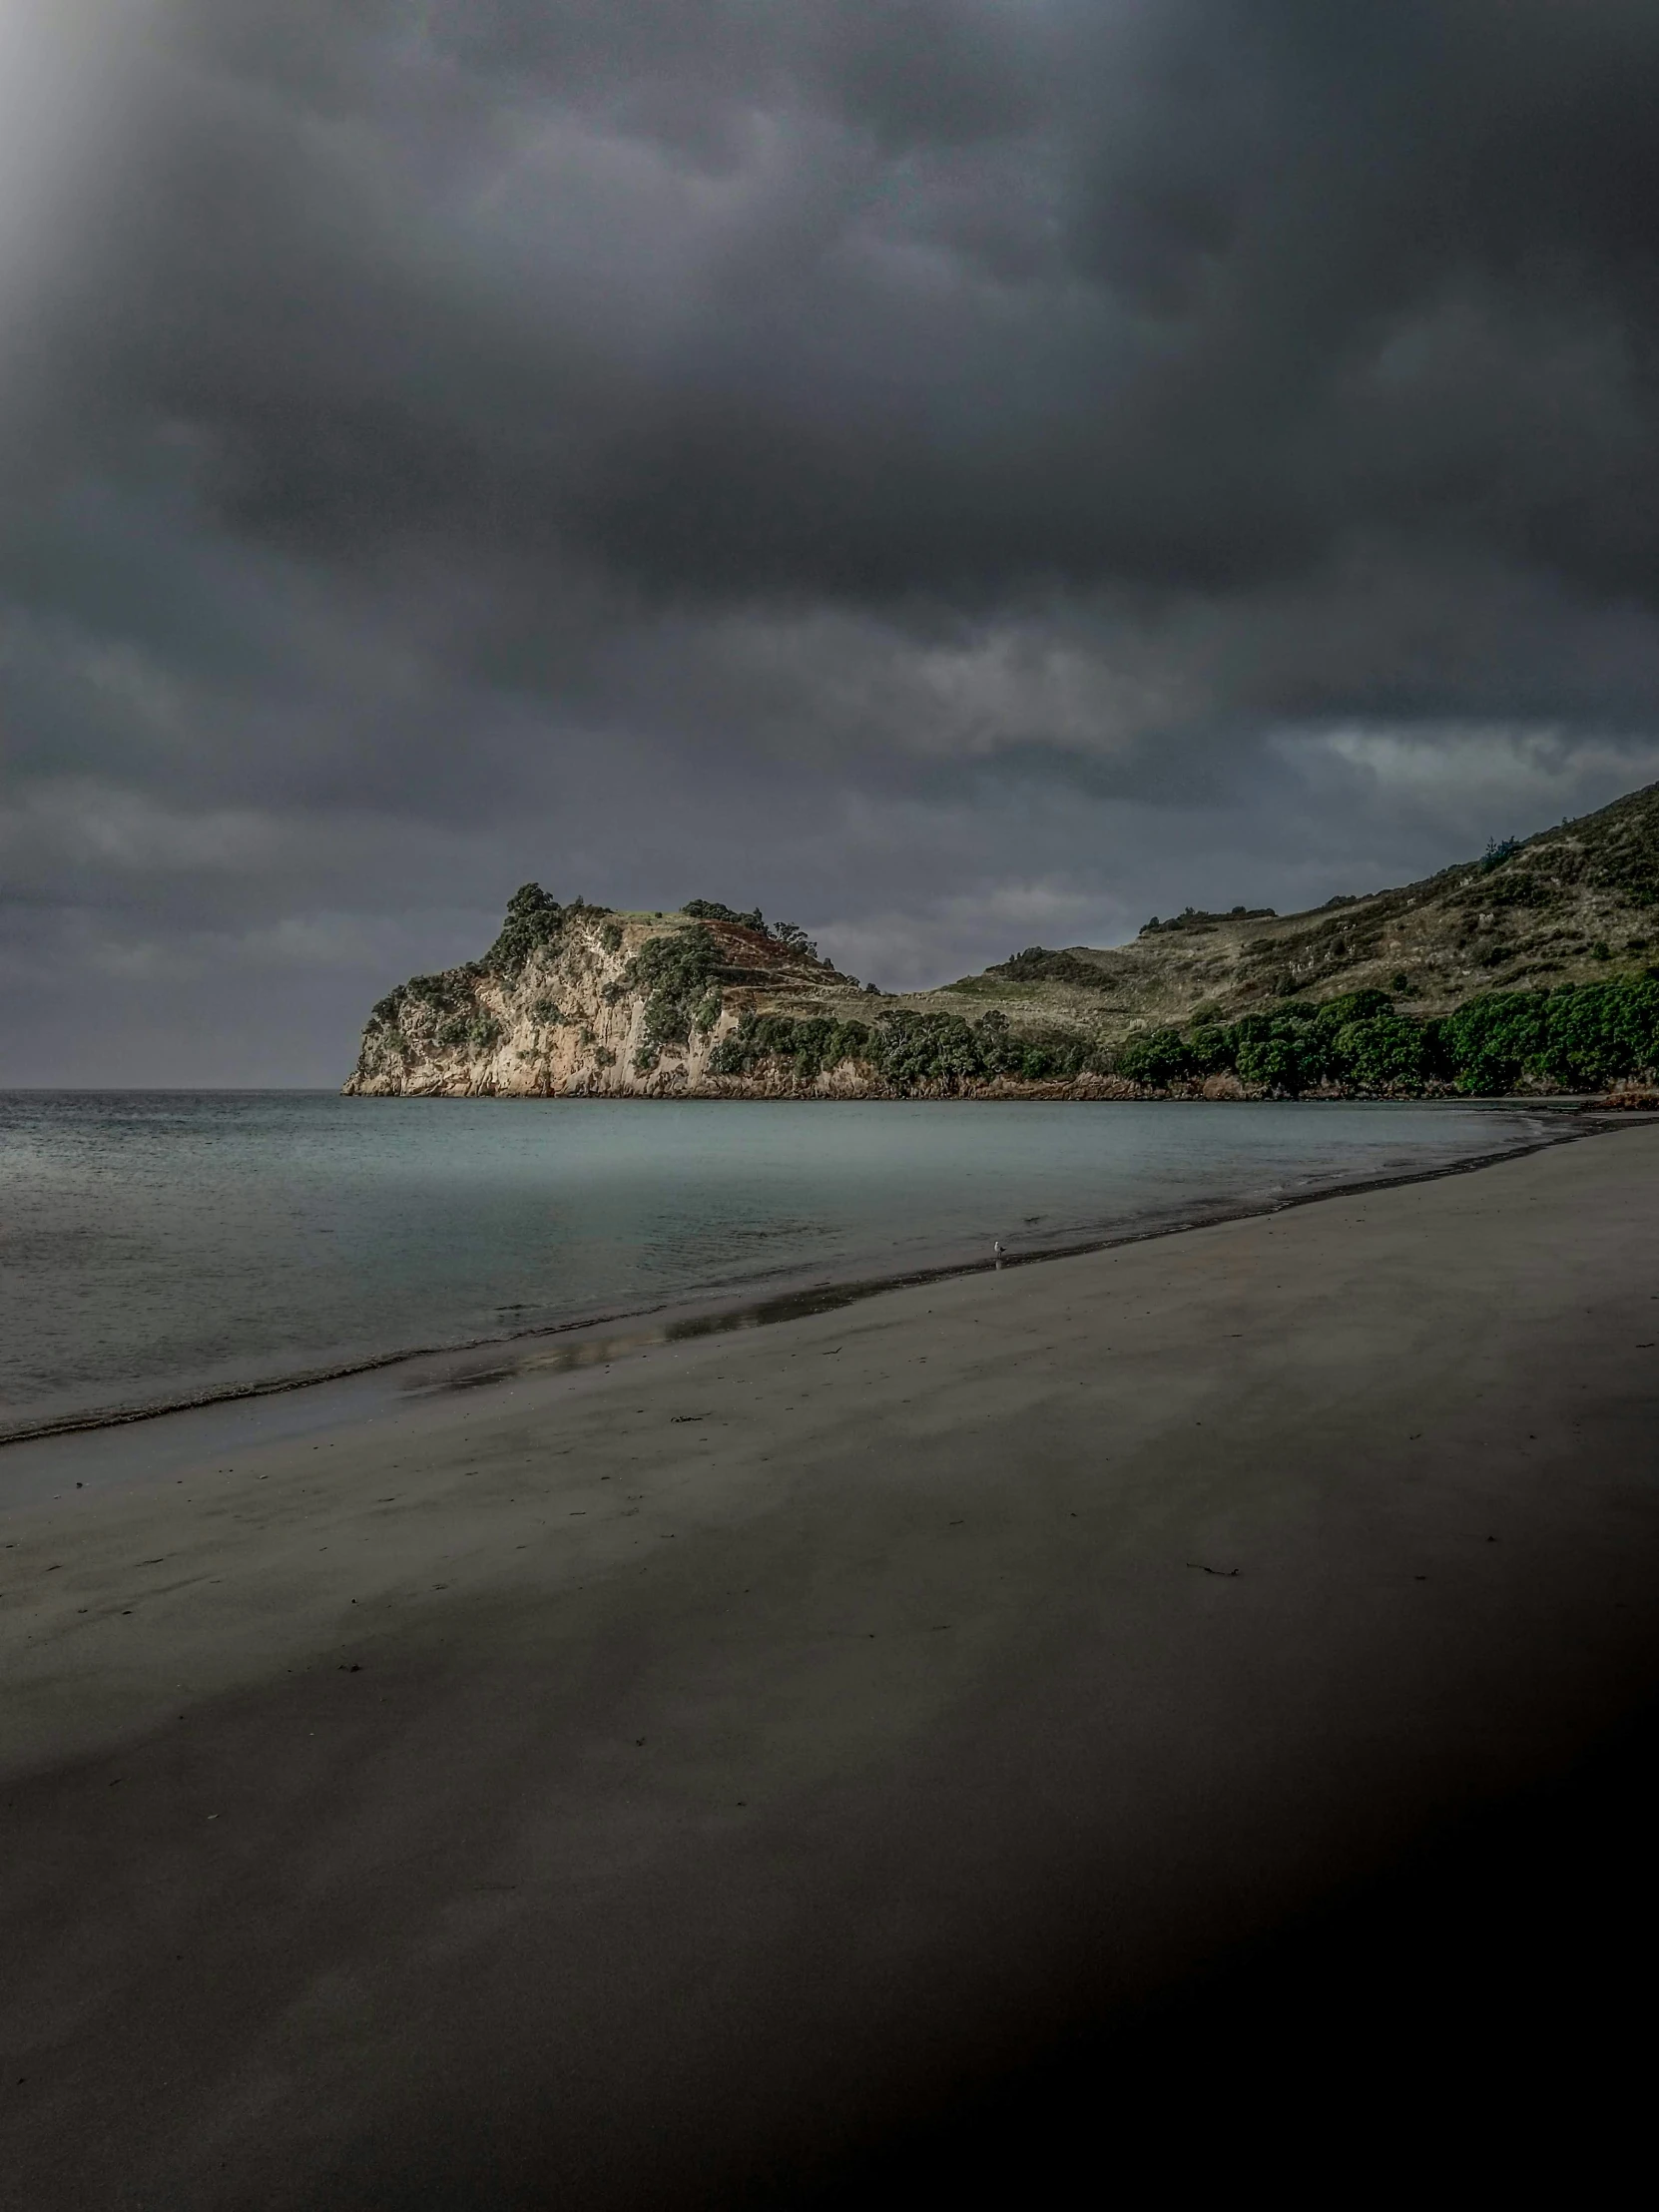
<point>1195,918</point>
<point>712,909</point>
<point>787,933</point>
<point>904,1050</point>
<point>1574,1038</point>
<point>534,925</point>
<point>678,976</point>
<point>1037,964</point>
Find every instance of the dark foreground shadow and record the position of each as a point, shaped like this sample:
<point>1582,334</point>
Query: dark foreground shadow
<point>1483,2012</point>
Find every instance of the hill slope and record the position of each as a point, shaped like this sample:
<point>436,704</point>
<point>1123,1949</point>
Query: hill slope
<point>704,1001</point>
<point>1547,910</point>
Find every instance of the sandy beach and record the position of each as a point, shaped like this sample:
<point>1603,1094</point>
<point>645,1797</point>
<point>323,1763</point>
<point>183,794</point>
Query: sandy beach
<point>643,1785</point>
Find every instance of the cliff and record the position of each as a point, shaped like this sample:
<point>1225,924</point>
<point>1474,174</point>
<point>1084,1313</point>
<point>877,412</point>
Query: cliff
<point>580,1000</point>
<point>1385,991</point>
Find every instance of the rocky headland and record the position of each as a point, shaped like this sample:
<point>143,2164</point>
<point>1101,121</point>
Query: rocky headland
<point>1531,969</point>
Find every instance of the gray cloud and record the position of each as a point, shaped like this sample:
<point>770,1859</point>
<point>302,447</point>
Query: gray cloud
<point>958,471</point>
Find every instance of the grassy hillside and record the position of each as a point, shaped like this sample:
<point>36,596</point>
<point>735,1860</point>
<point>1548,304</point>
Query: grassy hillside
<point>1568,905</point>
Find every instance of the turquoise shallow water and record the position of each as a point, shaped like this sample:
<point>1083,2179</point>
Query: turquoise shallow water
<point>158,1247</point>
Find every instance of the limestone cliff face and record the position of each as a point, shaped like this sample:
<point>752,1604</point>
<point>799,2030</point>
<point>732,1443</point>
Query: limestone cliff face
<point>580,1001</point>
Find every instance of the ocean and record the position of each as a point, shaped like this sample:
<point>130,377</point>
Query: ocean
<point>166,1248</point>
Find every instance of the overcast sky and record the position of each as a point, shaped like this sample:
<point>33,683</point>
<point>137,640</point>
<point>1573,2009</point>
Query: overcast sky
<point>958,473</point>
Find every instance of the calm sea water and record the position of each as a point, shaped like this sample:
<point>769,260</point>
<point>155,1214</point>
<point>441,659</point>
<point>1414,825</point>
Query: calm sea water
<point>157,1247</point>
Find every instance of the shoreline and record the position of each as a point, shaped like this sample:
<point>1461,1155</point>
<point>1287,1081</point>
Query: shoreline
<point>699,1316</point>
<point>642,1785</point>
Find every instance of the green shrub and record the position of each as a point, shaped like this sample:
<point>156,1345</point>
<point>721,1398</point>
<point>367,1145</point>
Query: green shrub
<point>1578,1038</point>
<point>913,1050</point>
<point>788,934</point>
<point>711,909</point>
<point>1211,1046</point>
<point>1387,1052</point>
<point>674,972</point>
<point>1597,1033</point>
<point>1493,1038</point>
<point>1274,1061</point>
<point>1198,918</point>
<point>1036,965</point>
<point>445,993</point>
<point>1159,1058</point>
<point>813,1044</point>
<point>910,1051</point>
<point>534,923</point>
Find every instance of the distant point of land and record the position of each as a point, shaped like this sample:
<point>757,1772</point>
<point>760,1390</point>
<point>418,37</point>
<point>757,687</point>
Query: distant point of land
<point>1531,969</point>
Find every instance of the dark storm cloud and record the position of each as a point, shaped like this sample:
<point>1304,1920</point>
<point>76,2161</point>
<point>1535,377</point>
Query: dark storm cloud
<point>879,300</point>
<point>963,470</point>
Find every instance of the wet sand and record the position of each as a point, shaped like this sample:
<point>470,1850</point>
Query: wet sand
<point>647,1786</point>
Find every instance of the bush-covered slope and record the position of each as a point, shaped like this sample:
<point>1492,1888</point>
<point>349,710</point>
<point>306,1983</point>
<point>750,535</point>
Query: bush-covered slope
<point>1580,1037</point>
